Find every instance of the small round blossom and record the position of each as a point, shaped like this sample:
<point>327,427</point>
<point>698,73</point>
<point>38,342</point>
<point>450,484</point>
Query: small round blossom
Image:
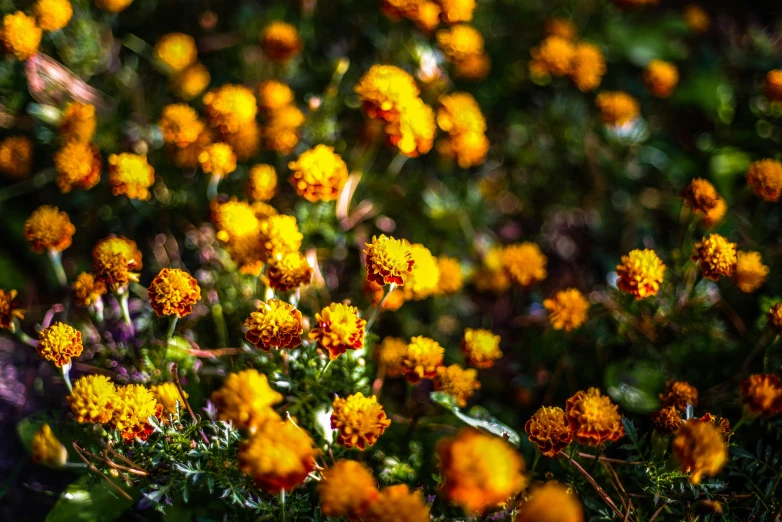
<point>176,51</point>
<point>422,358</point>
<point>716,256</point>
<point>59,343</point>
<point>113,6</point>
<point>750,271</point>
<point>479,471</point>
<point>347,489</point>
<point>561,27</point>
<point>20,35</point>
<point>548,429</point>
<point>130,174</point>
<point>398,504</point>
<point>280,41</point>
<point>289,271</point>
<point>696,18</point>
<point>567,310</point>
<point>230,106</point>
<point>318,174</point>
<point>262,182</point>
<point>451,278</point>
<point>460,42</point>
<point>339,328</point>
<point>46,449</point>
<point>16,156</point>
<point>469,149</point>
<point>425,275</point>
<point>276,324</point>
<point>457,382</point>
<point>765,178</point>
<point>481,347</point>
<point>525,263</point>
<point>384,89</point>
<point>273,95</point>
<point>701,196</point>
<point>78,166</point>
<point>49,229</point>
<point>191,82</point>
<point>279,234</point>
<point>234,219</point>
<point>388,260</point>
<point>87,290</point>
<point>245,142</point>
<point>715,215</point>
<point>414,131</point>
<point>593,418</point>
<point>180,125</point>
<point>679,394</point>
<point>167,395</point>
<point>661,78</point>
<point>173,292</point>
<point>551,502</point>
<point>53,15</point>
<point>588,67</point>
<point>93,399</point>
<point>617,108</point>
<point>455,11</point>
<point>247,400</point>
<point>131,417</point>
<point>217,159</point>
<point>460,113</point>
<point>390,354</point>
<point>641,273</point>
<point>278,457</point>
<point>115,261</point>
<point>762,394</point>
<point>282,129</point>
<point>700,450</point>
<point>774,317</point>
<point>359,420</point>
<point>9,309</point>
<point>667,420</point>
<point>78,122</point>
<point>554,55</point>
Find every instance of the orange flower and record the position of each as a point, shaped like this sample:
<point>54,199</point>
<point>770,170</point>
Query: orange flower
<point>762,393</point>
<point>661,78</point>
<point>318,174</point>
<point>422,358</point>
<point>130,174</point>
<point>390,353</point>
<point>641,273</point>
<point>481,347</point>
<point>246,399</point>
<point>59,343</point>
<point>288,271</point>
<point>679,394</point>
<point>86,290</point>
<point>398,504</point>
<point>276,324</point>
<point>388,260</point>
<point>700,450</point>
<point>359,420</point>
<point>701,196</point>
<point>339,328</point>
<point>78,166</point>
<point>567,309</point>
<point>49,229</point>
<point>347,489</point>
<point>667,420</point>
<point>765,178</point>
<point>173,291</point>
<point>135,406</point>
<point>593,418</point>
<point>525,263</point>
<point>552,502</point>
<point>716,256</point>
<point>113,259</point>
<point>617,108</point>
<point>548,428</point>
<point>281,41</point>
<point>457,382</point>
<point>9,309</point>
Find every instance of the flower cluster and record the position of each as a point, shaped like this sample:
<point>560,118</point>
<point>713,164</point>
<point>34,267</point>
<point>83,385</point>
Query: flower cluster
<point>459,115</point>
<point>358,420</point>
<point>561,55</point>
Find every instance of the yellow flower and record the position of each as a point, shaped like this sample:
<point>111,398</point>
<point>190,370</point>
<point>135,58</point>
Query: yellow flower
<point>567,309</point>
<point>113,259</point>
<point>288,271</point>
<point>347,489</point>
<point>53,15</point>
<point>715,215</point>
<point>245,142</point>
<point>176,51</point>
<point>750,271</point>
<point>696,18</point>
<point>59,343</point>
<point>424,13</point>
<point>661,78</point>
<point>455,11</point>
<point>481,347</point>
<point>474,67</point>
<point>282,129</point>
<point>20,34</point>
<point>339,328</point>
<point>274,95</point>
<point>700,450</point>
<point>525,263</point>
<point>86,290</point>
<point>551,502</point>
<point>701,196</point>
<point>130,174</point>
<point>667,420</point>
<point>247,400</point>
<point>765,178</point>
<point>554,55</point>
<point>173,291</point>
<point>390,354</point>
<point>617,108</point>
<point>641,273</point>
<point>774,317</point>
<point>459,113</point>
<point>425,275</point>
<point>234,219</point>
<point>9,309</point>
<point>279,234</point>
<point>451,278</point>
<point>413,132</point>
<point>457,382</point>
<point>16,156</point>
<point>276,324</point>
<point>47,450</point>
<point>593,418</point>
<point>278,457</point>
<point>548,429</point>
<point>384,90</point>
<point>131,416</point>
<point>398,504</point>
<point>280,41</point>
<point>94,399</point>
<point>716,256</point>
<point>422,358</point>
<point>78,122</point>
<point>262,182</point>
<point>359,420</point>
<point>762,394</point>
<point>479,471</point>
<point>187,157</point>
<point>460,42</point>
<point>180,125</point>
<point>113,6</point>
<point>561,27</point>
<point>679,394</point>
<point>167,395</point>
<point>468,148</point>
<point>78,166</point>
<point>492,277</point>
<point>230,106</point>
<point>721,423</point>
<point>318,174</point>
<point>388,260</point>
<point>588,68</point>
<point>49,229</point>
<point>217,159</point>
<point>191,82</point>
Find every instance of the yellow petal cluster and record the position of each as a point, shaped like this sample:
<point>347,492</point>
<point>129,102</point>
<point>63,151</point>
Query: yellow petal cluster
<point>525,263</point>
<point>58,343</point>
<point>53,15</point>
<point>750,271</point>
<point>481,347</point>
<point>700,450</point>
<point>78,122</point>
<point>347,489</point>
<point>765,178</point>
<point>388,260</point>
<point>276,324</point>
<point>46,449</point>
<point>173,292</point>
<point>281,41</point>
<point>130,174</point>
<point>457,382</point>
<point>20,35</point>
<point>548,428</point>
<point>716,256</point>
<point>262,182</point>
<point>78,166</point>
<point>9,309</point>
<point>49,229</point>
<point>661,78</point>
<point>247,400</point>
<point>593,418</point>
<point>551,502</point>
<point>339,328</point>
<point>617,108</point>
<point>567,310</point>
<point>131,416</point>
<point>16,156</point>
<point>176,51</point>
<point>94,399</point>
<point>422,358</point>
<point>167,395</point>
<point>359,420</point>
<point>460,116</point>
<point>87,290</point>
<point>318,174</point>
<point>641,273</point>
<point>115,261</point>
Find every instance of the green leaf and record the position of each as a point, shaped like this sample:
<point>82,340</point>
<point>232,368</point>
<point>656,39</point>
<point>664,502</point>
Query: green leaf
<point>635,385</point>
<point>87,501</point>
<point>477,417</point>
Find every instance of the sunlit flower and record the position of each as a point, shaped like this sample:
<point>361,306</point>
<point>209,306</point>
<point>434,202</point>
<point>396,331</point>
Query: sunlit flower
<point>390,354</point>
<point>467,148</point>
<point>388,260</point>
<point>318,174</point>
<point>679,394</point>
<point>279,234</point>
<point>617,108</point>
<point>173,292</point>
<point>131,416</point>
<point>78,122</point>
<point>525,263</point>
<point>641,273</point>
<point>715,215</point>
<point>481,347</point>
<point>460,113</point>
<point>113,6</point>
<point>561,27</point>
<point>59,343</point>
<point>262,182</point>
<point>115,261</point>
<point>93,399</point>
<point>359,420</point>
<point>217,159</point>
<point>130,174</point>
<point>551,502</point>
<point>701,196</point>
<point>245,142</point>
<point>20,35</point>
<point>16,156</point>
<point>46,449</point>
<point>422,358</point>
<point>167,395</point>
<point>247,400</point>
<point>567,309</point>
<point>455,11</point>
<point>696,18</point>
<point>177,51</point>
<point>274,95</point>
<point>53,15</point>
<point>721,423</point>
<point>588,67</point>
<point>280,41</point>
<point>339,328</point>
<point>48,228</point>
<point>491,276</point>
<point>283,128</point>
<point>554,55</point>
<point>191,82</point>
<point>479,471</point>
<point>451,278</point>
<point>87,290</point>
<point>661,78</point>
<point>398,504</point>
<point>593,418</point>
<point>384,89</point>
<point>667,420</point>
<point>180,124</point>
<point>78,166</point>
<point>750,271</point>
<point>460,42</point>
<point>762,394</point>
<point>548,429</point>
<point>765,178</point>
<point>700,450</point>
<point>474,67</point>
<point>288,271</point>
<point>347,489</point>
<point>414,131</point>
<point>234,219</point>
<point>457,382</point>
<point>230,106</point>
<point>276,324</point>
<point>425,275</point>
<point>716,256</point>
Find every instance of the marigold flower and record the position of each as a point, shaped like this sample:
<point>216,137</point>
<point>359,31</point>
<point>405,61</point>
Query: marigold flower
<point>281,41</point>
<point>762,394</point>
<point>457,382</point>
<point>282,129</point>
<point>721,423</point>
<point>398,504</point>
<point>617,108</point>
<point>217,159</point>
<point>173,292</point>
<point>230,106</point>
<point>425,275</point>
<point>715,215</point>
<point>278,457</point>
<point>59,343</point>
<point>765,178</point>
<point>16,156</point>
<point>289,271</point>
<point>467,148</point>
<point>234,219</point>
<point>491,276</point>
<point>460,42</point>
<point>113,6</point>
<point>359,420</point>
<point>180,124</point>
<point>422,358</point>
<point>455,11</point>
<point>49,229</point>
<point>20,35</point>
<point>93,399</point>
<point>390,354</point>
<point>525,263</point>
<point>588,67</point>
<point>78,122</point>
<point>773,85</point>
<point>548,429</point>
<point>245,142</point>
<point>474,67</point>
<point>78,166</point>
<point>347,489</point>
<point>716,256</point>
<point>276,324</point>
<point>53,15</point>
<point>479,471</point>
<point>567,309</point>
<point>679,394</point>
<point>247,400</point>
<point>750,271</point>
<point>460,113</point>
<point>554,55</point>
<point>279,234</point>
<point>339,328</point>
<point>46,449</point>
<point>167,395</point>
<point>774,317</point>
<point>561,27</point>
<point>593,418</point>
<point>701,196</point>
<point>191,82</point>
<point>641,273</point>
<point>9,309</point>
<point>131,416</point>
<point>481,347</point>
<point>551,502</point>
<point>176,51</point>
<point>86,290</point>
<point>667,420</point>
<point>262,182</point>
<point>696,18</point>
<point>414,131</point>
<point>700,450</point>
<point>661,78</point>
<point>113,259</point>
<point>388,260</point>
<point>318,174</point>
<point>451,278</point>
<point>130,174</point>
<point>273,95</point>
<point>384,90</point>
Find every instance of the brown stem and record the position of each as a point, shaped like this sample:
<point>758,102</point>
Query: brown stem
<point>597,487</point>
<point>175,375</point>
<point>608,459</point>
<point>99,472</point>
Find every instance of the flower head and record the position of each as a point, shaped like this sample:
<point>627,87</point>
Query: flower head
<point>451,278</point>
<point>217,159</point>
<point>9,309</point>
<point>230,106</point>
<point>288,271</point>
<point>46,449</point>
<point>168,396</point>
<point>617,108</point>
<point>548,428</point>
<point>661,78</point>
<point>388,260</point>
<point>525,263</point>
<point>460,42</point>
<point>721,423</point>
<point>398,504</point>
<point>455,11</point>
<point>281,132</point>
<point>422,358</point>
<point>679,394</point>
<point>16,156</point>
<point>176,51</point>
<point>279,234</point>
<point>593,418</point>
<point>481,347</point>
<point>115,261</point>
<point>774,317</point>
<point>173,292</point>
<point>191,82</point>
<point>551,502</point>
<point>468,148</point>
<point>273,95</point>
<point>588,67</point>
<point>750,271</point>
<point>53,15</point>
<point>701,196</point>
<point>49,229</point>
<point>491,276</point>
<point>390,353</point>
<point>696,18</point>
<point>667,420</point>
<point>276,324</point>
<point>347,489</point>
<point>700,450</point>
<point>479,471</point>
<point>765,178</point>
<point>262,182</point>
<point>130,174</point>
<point>180,124</point>
<point>339,328</point>
<point>457,382</point>
<point>58,343</point>
<point>554,55</point>
<point>78,166</point>
<point>281,41</point>
<point>318,174</point>
<point>716,256</point>
<point>113,6</point>
<point>641,273</point>
<point>773,85</point>
<point>247,400</point>
<point>715,215</point>
<point>20,35</point>
<point>567,309</point>
<point>413,132</point>
<point>384,90</point>
<point>234,219</point>
<point>93,399</point>
<point>460,113</point>
<point>131,416</point>
<point>78,122</point>
<point>762,394</point>
<point>425,275</point>
<point>86,290</point>
<point>359,420</point>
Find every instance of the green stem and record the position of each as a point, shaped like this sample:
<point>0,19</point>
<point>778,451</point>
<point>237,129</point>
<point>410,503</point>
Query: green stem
<point>325,369</point>
<point>211,190</point>
<point>26,339</point>
<point>282,506</point>
<point>172,327</point>
<point>66,370</point>
<point>741,421</point>
<point>219,319</point>
<point>56,259</point>
<point>29,185</point>
<point>123,302</point>
<point>379,306</point>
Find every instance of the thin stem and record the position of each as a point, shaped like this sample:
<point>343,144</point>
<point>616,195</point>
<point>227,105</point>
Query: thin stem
<point>325,369</point>
<point>282,504</point>
<point>26,339</point>
<point>123,303</point>
<point>741,421</point>
<point>172,327</point>
<point>379,306</point>
<point>66,370</point>
<point>56,259</point>
<point>211,190</point>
